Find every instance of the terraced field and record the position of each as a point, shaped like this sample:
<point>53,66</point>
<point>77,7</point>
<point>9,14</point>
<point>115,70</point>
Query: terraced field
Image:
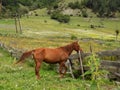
<point>41,31</point>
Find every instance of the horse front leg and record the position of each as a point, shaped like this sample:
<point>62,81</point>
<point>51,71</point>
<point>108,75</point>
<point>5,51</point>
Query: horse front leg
<point>61,68</point>
<point>65,69</point>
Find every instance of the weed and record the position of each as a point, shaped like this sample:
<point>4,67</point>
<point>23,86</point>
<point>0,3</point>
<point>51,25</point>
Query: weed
<point>97,74</point>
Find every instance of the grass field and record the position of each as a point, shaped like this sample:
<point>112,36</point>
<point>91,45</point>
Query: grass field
<point>22,77</point>
<point>41,31</point>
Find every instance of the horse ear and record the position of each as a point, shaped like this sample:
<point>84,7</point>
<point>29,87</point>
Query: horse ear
<point>77,41</point>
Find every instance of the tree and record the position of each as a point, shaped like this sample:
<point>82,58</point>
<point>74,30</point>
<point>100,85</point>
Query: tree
<point>117,33</point>
<point>104,8</point>
<point>0,6</point>
<point>16,6</point>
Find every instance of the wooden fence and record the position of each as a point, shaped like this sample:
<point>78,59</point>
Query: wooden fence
<point>112,66</point>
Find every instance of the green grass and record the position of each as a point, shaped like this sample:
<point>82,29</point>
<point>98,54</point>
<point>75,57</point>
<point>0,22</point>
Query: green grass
<point>55,29</point>
<point>6,21</point>
<point>40,12</point>
<point>38,33</point>
<point>7,26</point>
<point>22,77</point>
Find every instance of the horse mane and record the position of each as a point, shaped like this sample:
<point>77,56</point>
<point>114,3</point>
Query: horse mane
<point>68,48</point>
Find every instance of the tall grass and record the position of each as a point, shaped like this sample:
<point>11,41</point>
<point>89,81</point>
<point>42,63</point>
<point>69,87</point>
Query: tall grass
<point>97,75</point>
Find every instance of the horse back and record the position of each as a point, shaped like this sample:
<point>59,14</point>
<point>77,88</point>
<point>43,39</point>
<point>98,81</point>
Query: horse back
<point>54,55</point>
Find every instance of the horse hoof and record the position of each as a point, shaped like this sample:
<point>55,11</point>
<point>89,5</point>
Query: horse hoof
<point>38,78</point>
<point>61,76</point>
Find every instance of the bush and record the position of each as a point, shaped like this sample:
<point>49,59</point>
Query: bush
<point>73,37</point>
<point>75,5</point>
<point>84,13</point>
<point>55,6</point>
<point>64,18</point>
<point>23,9</point>
<point>92,26</point>
<point>60,17</point>
<point>54,15</point>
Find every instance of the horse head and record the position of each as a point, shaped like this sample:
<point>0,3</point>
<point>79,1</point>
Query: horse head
<point>76,46</point>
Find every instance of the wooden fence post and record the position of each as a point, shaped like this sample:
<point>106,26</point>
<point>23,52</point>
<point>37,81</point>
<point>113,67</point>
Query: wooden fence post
<point>81,64</point>
<point>19,24</point>
<point>16,23</point>
<point>70,68</point>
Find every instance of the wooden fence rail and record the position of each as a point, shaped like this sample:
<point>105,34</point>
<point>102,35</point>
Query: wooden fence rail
<point>112,66</point>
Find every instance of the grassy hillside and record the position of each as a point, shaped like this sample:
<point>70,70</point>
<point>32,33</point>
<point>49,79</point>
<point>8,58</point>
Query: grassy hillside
<point>41,31</point>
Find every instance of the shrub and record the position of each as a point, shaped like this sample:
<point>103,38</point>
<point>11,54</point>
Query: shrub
<point>92,26</point>
<point>73,37</point>
<point>36,14</point>
<point>55,6</point>
<point>116,33</point>
<point>78,25</point>
<point>60,17</point>
<point>75,5</point>
<point>84,13</point>
<point>54,15</point>
<point>63,18</point>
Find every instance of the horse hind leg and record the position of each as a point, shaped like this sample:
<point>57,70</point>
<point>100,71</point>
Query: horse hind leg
<point>38,61</point>
<point>37,67</point>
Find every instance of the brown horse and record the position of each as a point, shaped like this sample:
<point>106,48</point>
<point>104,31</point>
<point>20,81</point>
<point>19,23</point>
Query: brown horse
<point>52,56</point>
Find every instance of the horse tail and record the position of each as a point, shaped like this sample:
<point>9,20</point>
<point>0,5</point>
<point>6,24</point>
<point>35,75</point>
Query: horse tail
<point>25,55</point>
